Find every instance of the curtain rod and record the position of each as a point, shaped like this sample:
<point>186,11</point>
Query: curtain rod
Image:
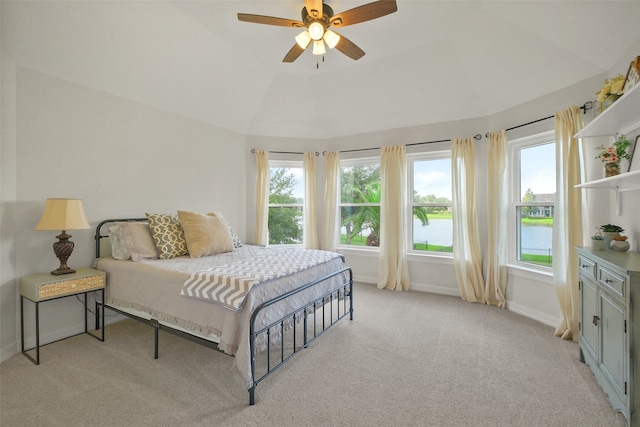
<point>477,137</point>
<point>253,151</point>
<point>584,107</point>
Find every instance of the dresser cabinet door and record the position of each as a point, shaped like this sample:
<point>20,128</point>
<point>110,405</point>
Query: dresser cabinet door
<point>613,348</point>
<point>589,329</point>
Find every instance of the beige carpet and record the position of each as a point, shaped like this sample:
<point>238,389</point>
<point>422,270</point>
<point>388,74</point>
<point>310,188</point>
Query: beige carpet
<point>408,359</point>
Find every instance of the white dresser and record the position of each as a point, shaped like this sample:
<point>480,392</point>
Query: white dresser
<point>609,336</point>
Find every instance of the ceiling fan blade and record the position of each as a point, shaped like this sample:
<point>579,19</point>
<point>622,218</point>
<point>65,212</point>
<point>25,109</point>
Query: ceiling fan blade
<point>364,13</point>
<point>269,20</point>
<point>314,8</point>
<point>349,48</point>
<point>293,54</point>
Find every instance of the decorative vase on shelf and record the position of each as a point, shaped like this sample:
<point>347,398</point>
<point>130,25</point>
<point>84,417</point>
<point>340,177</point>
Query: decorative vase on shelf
<point>611,169</point>
<point>606,102</point>
<point>619,245</point>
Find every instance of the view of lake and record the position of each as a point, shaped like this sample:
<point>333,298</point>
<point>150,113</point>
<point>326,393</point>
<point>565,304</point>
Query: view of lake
<point>536,239</point>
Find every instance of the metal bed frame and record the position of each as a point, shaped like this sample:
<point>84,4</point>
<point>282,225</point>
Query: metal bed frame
<point>316,317</point>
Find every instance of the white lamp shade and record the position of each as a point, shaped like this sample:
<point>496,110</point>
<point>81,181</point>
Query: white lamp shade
<point>303,39</point>
<point>63,214</point>
<point>318,47</point>
<point>316,30</point>
<point>331,38</point>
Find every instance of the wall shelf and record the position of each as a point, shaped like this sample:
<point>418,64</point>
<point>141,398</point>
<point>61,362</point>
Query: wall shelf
<point>623,116</point>
<point>629,181</point>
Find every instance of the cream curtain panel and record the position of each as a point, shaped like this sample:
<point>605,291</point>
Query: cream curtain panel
<point>567,220</point>
<point>393,270</point>
<point>262,198</point>
<point>496,267</point>
<point>330,208</point>
<point>467,258</point>
<point>310,225</point>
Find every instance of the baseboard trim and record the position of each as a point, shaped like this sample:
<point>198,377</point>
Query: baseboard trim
<point>533,314</point>
<point>520,309</point>
<point>9,351</point>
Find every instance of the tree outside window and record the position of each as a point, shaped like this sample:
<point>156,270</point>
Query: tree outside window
<point>360,203</point>
<point>286,202</point>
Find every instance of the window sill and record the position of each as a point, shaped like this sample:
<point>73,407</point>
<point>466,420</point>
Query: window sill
<point>359,250</point>
<point>544,276</point>
<point>432,257</point>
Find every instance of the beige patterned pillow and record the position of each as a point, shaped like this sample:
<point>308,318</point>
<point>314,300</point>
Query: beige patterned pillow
<point>205,234</point>
<point>168,235</point>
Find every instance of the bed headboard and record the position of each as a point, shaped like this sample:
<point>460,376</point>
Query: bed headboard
<point>103,246</point>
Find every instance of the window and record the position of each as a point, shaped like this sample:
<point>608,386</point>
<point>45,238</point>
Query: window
<point>360,202</point>
<point>533,199</point>
<point>431,223</point>
<point>286,202</point>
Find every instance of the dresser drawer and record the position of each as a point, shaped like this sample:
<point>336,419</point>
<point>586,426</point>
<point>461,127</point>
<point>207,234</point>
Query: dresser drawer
<point>612,281</point>
<point>587,267</point>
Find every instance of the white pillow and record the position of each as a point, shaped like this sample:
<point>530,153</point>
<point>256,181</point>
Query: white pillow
<point>119,248</point>
<point>138,240</point>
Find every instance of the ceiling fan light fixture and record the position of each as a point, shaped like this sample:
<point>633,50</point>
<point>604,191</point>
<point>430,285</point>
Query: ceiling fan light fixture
<point>318,47</point>
<point>331,38</point>
<point>303,39</point>
<point>316,30</point>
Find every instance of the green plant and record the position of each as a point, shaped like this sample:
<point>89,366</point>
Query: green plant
<point>616,152</point>
<point>611,228</point>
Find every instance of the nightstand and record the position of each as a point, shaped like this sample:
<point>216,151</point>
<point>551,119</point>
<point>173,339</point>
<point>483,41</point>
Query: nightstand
<point>40,288</point>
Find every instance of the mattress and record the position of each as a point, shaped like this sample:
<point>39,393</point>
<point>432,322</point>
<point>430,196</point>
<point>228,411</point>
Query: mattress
<point>154,287</point>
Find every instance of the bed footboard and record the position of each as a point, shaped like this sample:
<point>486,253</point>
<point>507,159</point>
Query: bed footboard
<point>300,328</point>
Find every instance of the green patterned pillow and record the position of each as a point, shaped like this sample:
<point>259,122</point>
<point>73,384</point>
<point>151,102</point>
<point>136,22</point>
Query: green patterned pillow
<point>168,235</point>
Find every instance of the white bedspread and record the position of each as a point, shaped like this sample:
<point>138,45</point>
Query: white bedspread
<point>154,286</point>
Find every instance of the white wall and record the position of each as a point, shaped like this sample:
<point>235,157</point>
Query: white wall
<point>121,158</point>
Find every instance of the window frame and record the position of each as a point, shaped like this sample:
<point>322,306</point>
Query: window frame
<point>515,203</point>
<point>338,237</point>
<point>281,164</point>
<point>412,158</point>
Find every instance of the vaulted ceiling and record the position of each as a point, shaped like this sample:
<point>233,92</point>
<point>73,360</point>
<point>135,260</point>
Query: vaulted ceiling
<point>430,62</point>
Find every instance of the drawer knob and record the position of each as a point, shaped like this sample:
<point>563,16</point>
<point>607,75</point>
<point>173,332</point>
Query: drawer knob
<point>595,320</point>
<point>608,281</point>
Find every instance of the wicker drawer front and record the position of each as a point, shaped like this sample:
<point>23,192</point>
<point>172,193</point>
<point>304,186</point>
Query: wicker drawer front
<point>40,287</point>
<point>587,267</point>
<point>611,280</point>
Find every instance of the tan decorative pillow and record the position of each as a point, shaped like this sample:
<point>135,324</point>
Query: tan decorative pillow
<point>168,235</point>
<point>234,237</point>
<point>205,234</point>
<point>138,240</point>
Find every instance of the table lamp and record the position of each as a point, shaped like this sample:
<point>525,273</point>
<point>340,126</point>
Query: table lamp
<point>63,214</point>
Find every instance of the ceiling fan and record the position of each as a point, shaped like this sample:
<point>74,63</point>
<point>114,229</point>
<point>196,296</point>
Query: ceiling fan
<point>317,18</point>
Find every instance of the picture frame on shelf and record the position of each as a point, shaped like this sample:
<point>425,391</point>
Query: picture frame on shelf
<point>633,75</point>
<point>634,165</point>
